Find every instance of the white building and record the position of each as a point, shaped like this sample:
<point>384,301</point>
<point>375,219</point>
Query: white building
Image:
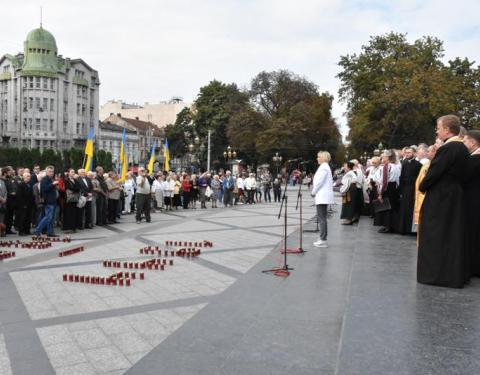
<point>161,114</point>
<point>46,101</point>
<point>110,139</point>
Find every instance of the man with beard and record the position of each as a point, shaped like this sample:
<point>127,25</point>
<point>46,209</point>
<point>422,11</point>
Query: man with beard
<point>441,241</point>
<point>410,169</point>
<point>472,201</point>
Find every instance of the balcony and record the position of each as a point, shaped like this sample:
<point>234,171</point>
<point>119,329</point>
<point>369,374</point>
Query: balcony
<point>80,81</point>
<point>5,76</point>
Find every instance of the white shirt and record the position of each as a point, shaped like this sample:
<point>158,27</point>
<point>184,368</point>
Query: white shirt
<point>323,185</point>
<point>129,187</point>
<point>250,183</point>
<point>240,183</point>
<point>145,189</point>
<point>157,186</point>
<point>394,171</point>
<point>347,180</point>
<point>166,189</point>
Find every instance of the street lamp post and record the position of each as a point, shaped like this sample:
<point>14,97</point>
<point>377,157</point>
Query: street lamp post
<point>229,154</point>
<point>277,160</point>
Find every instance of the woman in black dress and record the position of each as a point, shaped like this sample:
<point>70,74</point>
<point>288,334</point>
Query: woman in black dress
<point>71,212</point>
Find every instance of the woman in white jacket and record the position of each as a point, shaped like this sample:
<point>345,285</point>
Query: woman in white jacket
<point>129,189</point>
<point>323,192</point>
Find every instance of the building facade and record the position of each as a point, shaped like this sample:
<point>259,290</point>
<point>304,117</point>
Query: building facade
<point>161,114</point>
<point>110,139</point>
<point>46,101</point>
<point>147,135</point>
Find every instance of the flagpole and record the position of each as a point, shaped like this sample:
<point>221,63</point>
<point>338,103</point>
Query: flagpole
<point>208,152</point>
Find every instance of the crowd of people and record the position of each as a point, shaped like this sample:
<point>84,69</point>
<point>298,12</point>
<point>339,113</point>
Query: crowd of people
<point>37,201</point>
<point>428,190</point>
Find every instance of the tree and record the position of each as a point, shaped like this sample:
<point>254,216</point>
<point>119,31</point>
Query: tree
<point>49,158</point>
<point>177,133</point>
<point>296,118</point>
<point>214,106</point>
<point>395,90</point>
<point>76,158</point>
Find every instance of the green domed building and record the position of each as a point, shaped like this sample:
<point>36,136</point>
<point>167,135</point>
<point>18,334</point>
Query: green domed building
<point>46,100</point>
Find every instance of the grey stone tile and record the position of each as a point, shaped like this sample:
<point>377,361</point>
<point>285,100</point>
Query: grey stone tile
<point>91,338</point>
<point>107,359</point>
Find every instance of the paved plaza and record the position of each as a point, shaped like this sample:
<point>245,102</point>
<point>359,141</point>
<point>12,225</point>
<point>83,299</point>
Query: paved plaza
<point>353,308</point>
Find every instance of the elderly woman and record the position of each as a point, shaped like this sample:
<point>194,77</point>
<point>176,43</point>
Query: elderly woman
<point>114,191</point>
<point>216,187</point>
<point>323,192</point>
<point>348,189</point>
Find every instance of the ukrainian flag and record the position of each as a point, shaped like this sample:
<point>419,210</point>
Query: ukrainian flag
<point>88,159</point>
<point>152,158</point>
<point>166,156</point>
<point>123,157</point>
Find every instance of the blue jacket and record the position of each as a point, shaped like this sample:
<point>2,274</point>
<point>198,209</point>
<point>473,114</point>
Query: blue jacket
<point>48,191</point>
<point>228,183</point>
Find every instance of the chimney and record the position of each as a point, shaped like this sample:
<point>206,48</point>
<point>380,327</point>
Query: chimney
<point>119,114</point>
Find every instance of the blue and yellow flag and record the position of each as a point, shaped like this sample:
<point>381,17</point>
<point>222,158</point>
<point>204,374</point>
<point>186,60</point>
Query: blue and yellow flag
<point>123,157</point>
<point>88,159</point>
<point>152,158</point>
<point>166,156</point>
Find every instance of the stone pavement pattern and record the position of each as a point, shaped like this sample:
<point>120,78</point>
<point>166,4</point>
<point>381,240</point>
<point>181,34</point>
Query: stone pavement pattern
<point>353,308</point>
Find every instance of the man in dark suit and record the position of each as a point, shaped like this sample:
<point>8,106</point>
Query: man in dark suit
<point>410,170</point>
<point>441,237</point>
<point>86,190</point>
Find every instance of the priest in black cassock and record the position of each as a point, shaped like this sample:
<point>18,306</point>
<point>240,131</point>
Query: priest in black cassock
<point>410,170</point>
<point>441,238</point>
<point>472,202</point>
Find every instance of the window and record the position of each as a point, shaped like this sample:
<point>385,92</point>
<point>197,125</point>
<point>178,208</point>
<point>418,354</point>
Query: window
<point>30,124</point>
<point>37,82</point>
<point>51,125</point>
<point>30,102</point>
<point>6,68</point>
<point>45,104</point>
<point>52,104</point>
<point>78,128</point>
<point>83,128</point>
<point>45,83</point>
<point>37,103</point>
<point>30,82</point>
<point>65,125</point>
<point>83,109</point>
<point>37,124</point>
<point>52,83</point>
<point>78,108</point>
<point>25,126</point>
<point>45,125</point>
<point>37,143</point>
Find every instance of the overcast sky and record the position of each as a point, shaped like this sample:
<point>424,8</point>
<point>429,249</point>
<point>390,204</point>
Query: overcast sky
<point>151,50</point>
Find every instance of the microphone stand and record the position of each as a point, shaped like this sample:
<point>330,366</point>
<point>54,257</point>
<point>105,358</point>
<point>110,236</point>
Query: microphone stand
<point>298,250</point>
<point>283,271</point>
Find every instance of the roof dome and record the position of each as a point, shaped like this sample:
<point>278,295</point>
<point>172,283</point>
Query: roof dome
<point>41,38</point>
<point>40,51</point>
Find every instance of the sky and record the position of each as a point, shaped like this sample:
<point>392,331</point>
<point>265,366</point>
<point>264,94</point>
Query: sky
<point>153,50</point>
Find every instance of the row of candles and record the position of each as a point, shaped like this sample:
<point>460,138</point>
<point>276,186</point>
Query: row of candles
<point>203,243</point>
<point>71,251</point>
<point>7,254</point>
<point>119,278</point>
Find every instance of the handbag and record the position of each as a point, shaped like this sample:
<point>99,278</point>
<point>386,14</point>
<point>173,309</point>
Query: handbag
<point>208,192</point>
<point>381,206</point>
<point>82,201</point>
<point>72,197</point>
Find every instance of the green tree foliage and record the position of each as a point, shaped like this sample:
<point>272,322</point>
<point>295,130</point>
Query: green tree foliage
<point>177,134</point>
<point>216,103</point>
<point>61,160</point>
<point>288,114</point>
<point>395,90</point>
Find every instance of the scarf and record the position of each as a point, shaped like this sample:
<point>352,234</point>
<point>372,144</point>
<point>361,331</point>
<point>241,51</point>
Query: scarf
<point>385,177</point>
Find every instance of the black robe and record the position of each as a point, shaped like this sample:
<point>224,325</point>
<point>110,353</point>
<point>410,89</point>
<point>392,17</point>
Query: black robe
<point>441,241</point>
<point>408,177</point>
<point>472,214</point>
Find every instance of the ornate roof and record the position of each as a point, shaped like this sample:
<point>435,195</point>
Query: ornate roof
<point>40,51</point>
